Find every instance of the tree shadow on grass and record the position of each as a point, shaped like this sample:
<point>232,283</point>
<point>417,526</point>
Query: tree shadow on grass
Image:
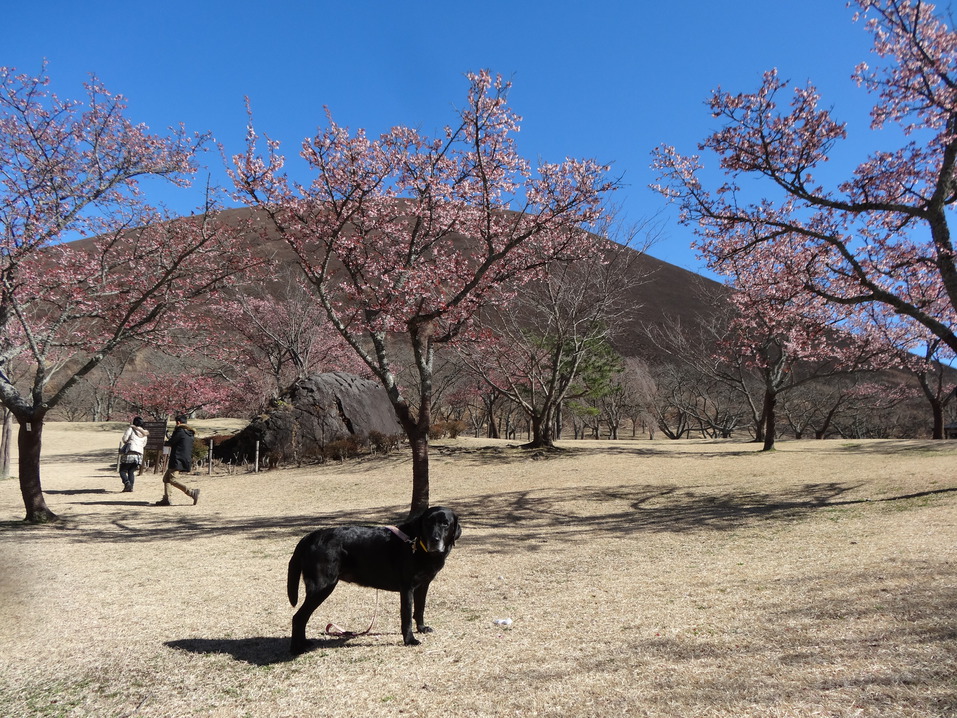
<point>154,523</point>
<point>684,450</point>
<point>529,520</point>
<point>259,651</point>
<point>100,456</point>
<point>516,453</point>
<point>505,522</point>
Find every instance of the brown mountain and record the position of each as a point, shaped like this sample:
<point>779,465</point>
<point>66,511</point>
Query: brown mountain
<point>659,294</point>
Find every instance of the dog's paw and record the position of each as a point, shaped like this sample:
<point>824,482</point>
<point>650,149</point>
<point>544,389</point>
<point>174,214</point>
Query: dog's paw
<point>411,640</point>
<point>424,629</point>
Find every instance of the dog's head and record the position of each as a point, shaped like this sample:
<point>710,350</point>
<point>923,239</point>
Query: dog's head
<point>438,529</point>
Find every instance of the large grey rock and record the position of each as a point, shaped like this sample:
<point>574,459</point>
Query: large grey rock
<point>312,414</point>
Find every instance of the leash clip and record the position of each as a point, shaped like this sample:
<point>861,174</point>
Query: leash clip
<point>410,541</point>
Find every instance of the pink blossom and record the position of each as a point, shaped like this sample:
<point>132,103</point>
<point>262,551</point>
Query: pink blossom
<point>882,235</point>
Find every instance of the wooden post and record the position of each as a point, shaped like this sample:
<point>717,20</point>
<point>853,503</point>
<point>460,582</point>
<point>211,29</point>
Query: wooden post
<point>256,465</point>
<point>210,457</point>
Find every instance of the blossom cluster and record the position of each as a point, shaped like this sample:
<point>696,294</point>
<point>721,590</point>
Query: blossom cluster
<point>883,234</point>
<point>411,234</point>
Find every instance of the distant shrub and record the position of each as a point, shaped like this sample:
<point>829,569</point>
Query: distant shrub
<point>200,450</point>
<point>381,443</point>
<point>441,429</point>
<point>342,449</point>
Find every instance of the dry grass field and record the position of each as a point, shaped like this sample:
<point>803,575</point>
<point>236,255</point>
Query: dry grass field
<point>688,578</point>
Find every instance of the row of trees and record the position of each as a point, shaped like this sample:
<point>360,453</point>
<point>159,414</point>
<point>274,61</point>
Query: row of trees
<point>563,374</point>
<point>406,240</point>
<point>404,237</point>
<point>672,401</point>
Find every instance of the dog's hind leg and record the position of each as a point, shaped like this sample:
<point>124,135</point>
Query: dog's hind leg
<point>314,597</point>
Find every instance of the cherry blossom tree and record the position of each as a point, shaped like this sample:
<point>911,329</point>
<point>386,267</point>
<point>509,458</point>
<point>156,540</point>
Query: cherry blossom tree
<point>698,349</point>
<point>162,395</point>
<point>264,341</point>
<point>70,169</point>
<point>882,235</point>
<point>405,237</point>
<point>936,381</point>
<point>789,341</point>
<point>770,339</point>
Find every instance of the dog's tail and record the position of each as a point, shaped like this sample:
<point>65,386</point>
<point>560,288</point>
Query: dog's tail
<point>292,578</point>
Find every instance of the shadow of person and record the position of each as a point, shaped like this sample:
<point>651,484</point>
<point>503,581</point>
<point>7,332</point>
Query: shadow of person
<point>112,503</point>
<point>260,651</point>
<point>75,492</point>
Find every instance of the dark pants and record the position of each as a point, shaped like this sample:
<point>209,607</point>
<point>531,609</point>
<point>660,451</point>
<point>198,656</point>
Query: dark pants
<point>128,473</point>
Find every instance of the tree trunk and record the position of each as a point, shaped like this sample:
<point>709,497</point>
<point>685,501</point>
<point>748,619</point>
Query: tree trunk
<point>6,438</point>
<point>492,426</point>
<point>759,427</point>
<point>420,471</point>
<point>825,427</point>
<point>938,409</point>
<point>417,432</point>
<point>936,405</point>
<point>770,429</point>
<point>28,443</point>
<point>541,432</point>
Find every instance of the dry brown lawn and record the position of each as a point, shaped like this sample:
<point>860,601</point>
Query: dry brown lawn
<point>686,578</point>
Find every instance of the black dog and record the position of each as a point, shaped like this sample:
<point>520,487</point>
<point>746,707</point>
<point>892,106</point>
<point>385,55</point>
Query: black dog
<point>404,559</point>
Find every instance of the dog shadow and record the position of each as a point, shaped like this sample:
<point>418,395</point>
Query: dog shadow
<point>259,651</point>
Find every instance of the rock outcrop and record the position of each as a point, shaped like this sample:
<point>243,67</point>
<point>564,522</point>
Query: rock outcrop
<point>317,415</point>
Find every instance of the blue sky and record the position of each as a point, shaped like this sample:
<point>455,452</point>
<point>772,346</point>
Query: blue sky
<point>609,80</point>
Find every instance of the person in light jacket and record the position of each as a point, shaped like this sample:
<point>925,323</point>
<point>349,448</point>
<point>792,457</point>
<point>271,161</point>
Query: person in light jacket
<point>180,445</point>
<point>132,446</point>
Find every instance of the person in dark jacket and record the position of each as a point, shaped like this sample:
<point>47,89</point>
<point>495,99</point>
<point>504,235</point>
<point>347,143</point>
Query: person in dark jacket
<point>180,445</point>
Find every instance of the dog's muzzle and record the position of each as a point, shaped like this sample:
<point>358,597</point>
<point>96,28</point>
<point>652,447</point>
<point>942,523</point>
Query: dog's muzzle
<point>433,544</point>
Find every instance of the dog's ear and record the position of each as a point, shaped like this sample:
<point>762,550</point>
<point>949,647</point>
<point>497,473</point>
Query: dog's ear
<point>456,529</point>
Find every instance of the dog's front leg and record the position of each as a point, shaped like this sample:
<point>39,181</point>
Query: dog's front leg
<point>405,613</point>
<point>419,613</point>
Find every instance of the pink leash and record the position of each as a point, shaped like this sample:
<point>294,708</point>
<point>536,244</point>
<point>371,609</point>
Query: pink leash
<point>333,630</point>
